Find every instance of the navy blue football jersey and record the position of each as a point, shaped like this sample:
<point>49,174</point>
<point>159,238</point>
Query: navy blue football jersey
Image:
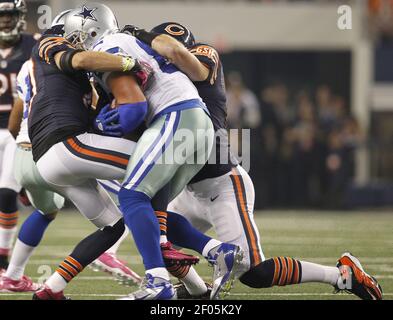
<point>212,91</point>
<point>61,102</point>
<point>11,61</point>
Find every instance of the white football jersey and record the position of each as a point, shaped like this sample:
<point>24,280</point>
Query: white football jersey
<point>168,87</point>
<point>24,92</point>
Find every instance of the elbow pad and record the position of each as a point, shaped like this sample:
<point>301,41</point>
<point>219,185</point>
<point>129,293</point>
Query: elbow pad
<point>131,115</point>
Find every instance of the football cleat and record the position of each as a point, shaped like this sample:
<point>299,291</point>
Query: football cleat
<point>183,294</point>
<point>109,263</point>
<point>153,288</point>
<point>25,284</point>
<point>46,293</point>
<point>225,259</point>
<point>173,257</point>
<point>355,280</point>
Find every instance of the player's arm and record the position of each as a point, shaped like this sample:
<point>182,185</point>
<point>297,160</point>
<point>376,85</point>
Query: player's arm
<point>60,52</point>
<point>179,55</point>
<point>93,61</point>
<point>130,103</point>
<point>172,50</point>
<point>15,117</point>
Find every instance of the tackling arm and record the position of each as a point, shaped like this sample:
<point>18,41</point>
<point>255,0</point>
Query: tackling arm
<point>15,117</point>
<point>95,61</point>
<point>178,54</point>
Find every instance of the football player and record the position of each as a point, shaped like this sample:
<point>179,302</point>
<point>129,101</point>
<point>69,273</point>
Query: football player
<point>46,201</point>
<point>222,195</point>
<point>174,104</point>
<point>15,49</point>
<point>68,158</point>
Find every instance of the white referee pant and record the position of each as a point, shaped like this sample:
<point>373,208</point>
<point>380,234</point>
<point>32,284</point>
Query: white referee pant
<point>225,203</point>
<point>7,153</point>
<point>71,167</point>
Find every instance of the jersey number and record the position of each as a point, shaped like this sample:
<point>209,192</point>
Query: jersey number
<point>7,82</point>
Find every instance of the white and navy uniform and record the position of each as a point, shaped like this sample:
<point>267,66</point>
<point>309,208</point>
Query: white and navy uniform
<point>40,194</point>
<point>221,196</point>
<point>70,158</point>
<point>173,105</point>
<point>11,61</point>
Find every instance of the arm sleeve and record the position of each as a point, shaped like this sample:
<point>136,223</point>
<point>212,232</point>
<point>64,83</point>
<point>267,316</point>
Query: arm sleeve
<point>210,58</point>
<point>49,46</point>
<point>23,81</point>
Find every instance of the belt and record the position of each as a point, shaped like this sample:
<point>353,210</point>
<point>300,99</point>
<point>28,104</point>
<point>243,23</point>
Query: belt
<point>24,146</point>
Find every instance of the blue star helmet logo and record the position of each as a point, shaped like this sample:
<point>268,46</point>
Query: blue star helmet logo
<point>86,14</point>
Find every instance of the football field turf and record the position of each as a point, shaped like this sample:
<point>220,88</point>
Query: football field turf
<point>308,235</point>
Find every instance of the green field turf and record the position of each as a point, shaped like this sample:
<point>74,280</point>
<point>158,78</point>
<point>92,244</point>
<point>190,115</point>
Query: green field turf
<point>308,235</point>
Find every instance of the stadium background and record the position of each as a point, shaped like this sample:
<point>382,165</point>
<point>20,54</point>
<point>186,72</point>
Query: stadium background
<point>319,103</point>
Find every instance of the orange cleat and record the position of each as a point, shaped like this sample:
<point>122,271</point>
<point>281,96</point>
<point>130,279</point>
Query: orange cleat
<point>355,280</point>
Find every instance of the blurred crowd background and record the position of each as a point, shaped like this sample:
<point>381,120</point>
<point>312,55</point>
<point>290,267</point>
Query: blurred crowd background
<point>299,107</point>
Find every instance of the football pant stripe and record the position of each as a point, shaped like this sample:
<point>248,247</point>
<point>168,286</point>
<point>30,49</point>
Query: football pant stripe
<point>155,151</point>
<point>95,154</point>
<point>240,195</point>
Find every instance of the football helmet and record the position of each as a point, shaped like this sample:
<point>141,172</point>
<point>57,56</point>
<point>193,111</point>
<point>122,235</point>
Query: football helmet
<point>87,24</point>
<point>60,18</point>
<point>177,31</point>
<point>12,20</point>
<point>57,26</point>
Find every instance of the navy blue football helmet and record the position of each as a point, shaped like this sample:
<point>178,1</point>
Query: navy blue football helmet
<point>177,31</point>
<point>12,20</point>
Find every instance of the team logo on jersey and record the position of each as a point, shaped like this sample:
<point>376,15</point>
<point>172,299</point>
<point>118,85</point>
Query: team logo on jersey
<point>87,14</point>
<point>175,29</point>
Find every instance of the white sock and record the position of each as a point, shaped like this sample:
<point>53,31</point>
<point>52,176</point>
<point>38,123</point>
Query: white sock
<point>56,282</point>
<point>312,272</point>
<point>115,247</point>
<point>210,245</point>
<point>194,283</point>
<point>163,239</point>
<point>19,258</point>
<point>7,237</point>
<point>159,272</point>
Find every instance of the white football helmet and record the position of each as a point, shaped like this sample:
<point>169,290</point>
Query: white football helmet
<point>87,24</point>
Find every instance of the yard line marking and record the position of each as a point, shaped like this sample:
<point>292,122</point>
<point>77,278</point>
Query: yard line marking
<point>205,277</point>
<point>294,294</point>
<point>230,294</point>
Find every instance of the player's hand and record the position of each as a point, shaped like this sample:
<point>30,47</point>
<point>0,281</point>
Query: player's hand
<point>130,29</point>
<point>143,73</point>
<point>107,122</point>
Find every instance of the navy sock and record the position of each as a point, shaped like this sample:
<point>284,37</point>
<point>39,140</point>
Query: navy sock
<point>183,234</point>
<point>33,228</point>
<point>140,218</point>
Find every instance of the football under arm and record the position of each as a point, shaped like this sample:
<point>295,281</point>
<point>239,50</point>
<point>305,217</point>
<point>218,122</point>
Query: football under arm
<point>129,99</point>
<point>93,61</point>
<point>178,54</point>
<point>15,117</point>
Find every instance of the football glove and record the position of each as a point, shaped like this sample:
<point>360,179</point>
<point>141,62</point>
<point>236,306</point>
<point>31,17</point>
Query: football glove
<point>130,29</point>
<point>106,122</point>
<point>143,73</point>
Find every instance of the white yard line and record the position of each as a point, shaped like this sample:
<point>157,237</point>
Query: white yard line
<point>232,294</point>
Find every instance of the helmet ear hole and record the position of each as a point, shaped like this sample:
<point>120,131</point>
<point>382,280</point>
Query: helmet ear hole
<point>93,34</point>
